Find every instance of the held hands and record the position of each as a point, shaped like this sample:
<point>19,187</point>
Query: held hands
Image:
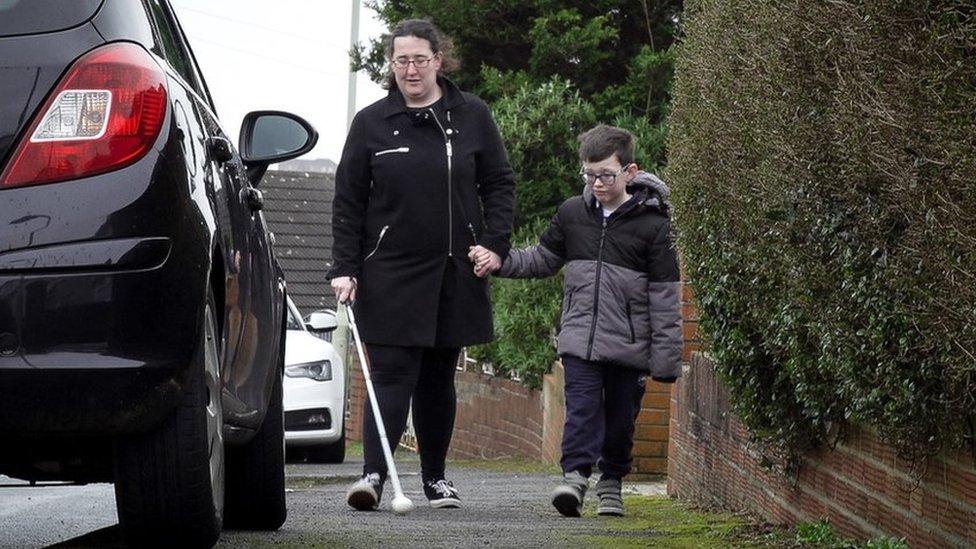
<point>485,261</point>
<point>344,288</point>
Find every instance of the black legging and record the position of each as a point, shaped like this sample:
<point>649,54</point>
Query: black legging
<point>426,374</point>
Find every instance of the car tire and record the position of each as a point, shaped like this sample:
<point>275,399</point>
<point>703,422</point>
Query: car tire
<point>256,470</point>
<point>169,483</point>
<point>333,452</point>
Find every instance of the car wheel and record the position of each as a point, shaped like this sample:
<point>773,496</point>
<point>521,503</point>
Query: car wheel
<point>334,452</point>
<point>256,470</point>
<point>169,484</point>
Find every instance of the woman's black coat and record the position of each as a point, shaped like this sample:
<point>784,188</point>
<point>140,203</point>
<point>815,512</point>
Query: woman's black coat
<point>411,196</point>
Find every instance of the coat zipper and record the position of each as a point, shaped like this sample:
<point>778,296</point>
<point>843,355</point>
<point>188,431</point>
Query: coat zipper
<point>450,200</point>
<point>378,241</point>
<point>596,290</point>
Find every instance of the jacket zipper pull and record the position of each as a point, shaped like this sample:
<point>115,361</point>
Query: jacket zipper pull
<point>378,242</point>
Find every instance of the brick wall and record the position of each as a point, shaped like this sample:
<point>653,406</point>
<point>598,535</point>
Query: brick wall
<point>553,414</point>
<point>357,396</point>
<point>496,418</point>
<point>651,432</point>
<point>860,486</point>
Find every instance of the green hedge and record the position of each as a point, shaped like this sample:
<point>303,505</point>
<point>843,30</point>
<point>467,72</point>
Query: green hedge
<point>526,320</point>
<point>539,124</point>
<point>823,158</point>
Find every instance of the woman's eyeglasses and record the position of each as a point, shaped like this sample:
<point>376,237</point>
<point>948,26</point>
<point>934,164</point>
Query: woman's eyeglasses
<point>419,61</point>
<point>607,178</point>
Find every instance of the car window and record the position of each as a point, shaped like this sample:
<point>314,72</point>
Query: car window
<point>294,319</point>
<point>173,48</point>
<point>204,90</point>
<point>37,16</point>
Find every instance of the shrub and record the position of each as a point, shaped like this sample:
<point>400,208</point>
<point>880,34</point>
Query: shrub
<point>526,317</point>
<point>823,170</point>
<point>539,124</point>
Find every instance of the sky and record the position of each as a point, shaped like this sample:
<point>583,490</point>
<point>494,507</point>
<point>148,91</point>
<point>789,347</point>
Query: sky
<point>289,55</point>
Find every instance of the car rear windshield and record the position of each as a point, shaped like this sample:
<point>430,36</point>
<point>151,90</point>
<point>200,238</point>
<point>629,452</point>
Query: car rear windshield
<point>38,16</point>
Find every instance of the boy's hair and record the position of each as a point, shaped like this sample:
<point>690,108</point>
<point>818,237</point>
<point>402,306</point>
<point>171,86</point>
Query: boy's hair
<point>603,141</point>
<point>421,28</point>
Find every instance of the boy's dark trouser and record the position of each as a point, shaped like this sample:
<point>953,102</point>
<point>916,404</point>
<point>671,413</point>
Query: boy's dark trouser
<point>426,374</point>
<point>602,403</point>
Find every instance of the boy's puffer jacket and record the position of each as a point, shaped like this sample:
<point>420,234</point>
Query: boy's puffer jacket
<point>621,290</point>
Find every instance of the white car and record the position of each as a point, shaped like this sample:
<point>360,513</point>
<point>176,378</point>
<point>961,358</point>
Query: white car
<point>314,390</point>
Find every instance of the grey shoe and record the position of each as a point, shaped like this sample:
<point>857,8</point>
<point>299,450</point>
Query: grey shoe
<point>567,498</point>
<point>611,503</point>
<point>365,494</point>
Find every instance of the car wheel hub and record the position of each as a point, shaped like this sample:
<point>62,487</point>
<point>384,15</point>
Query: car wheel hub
<point>215,414</point>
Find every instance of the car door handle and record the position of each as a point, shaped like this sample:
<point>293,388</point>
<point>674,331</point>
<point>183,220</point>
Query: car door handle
<point>221,148</point>
<point>253,198</point>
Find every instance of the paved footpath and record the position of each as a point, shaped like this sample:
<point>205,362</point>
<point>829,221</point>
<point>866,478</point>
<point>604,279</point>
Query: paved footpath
<point>501,509</point>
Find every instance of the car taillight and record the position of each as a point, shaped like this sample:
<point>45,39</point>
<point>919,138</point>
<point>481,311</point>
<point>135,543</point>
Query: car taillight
<point>104,114</point>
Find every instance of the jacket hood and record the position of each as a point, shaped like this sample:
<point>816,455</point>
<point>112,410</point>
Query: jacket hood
<point>646,188</point>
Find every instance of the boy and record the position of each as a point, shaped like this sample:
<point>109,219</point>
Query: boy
<point>621,317</point>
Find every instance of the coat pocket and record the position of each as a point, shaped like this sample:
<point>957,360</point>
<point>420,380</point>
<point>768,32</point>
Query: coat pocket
<point>567,304</point>
<point>390,151</point>
<point>630,323</point>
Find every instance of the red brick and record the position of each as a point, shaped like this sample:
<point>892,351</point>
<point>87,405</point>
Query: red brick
<point>657,401</point>
<point>652,417</point>
<point>651,433</point>
<point>711,463</point>
<point>651,465</point>
<point>644,449</point>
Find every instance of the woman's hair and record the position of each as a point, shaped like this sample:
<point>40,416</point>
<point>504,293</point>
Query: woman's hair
<point>421,28</point>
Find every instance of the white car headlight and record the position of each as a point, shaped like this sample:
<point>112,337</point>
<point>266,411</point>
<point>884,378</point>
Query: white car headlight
<point>319,371</point>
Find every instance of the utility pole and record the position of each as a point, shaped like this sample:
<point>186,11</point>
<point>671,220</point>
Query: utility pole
<point>340,339</point>
<point>353,42</point>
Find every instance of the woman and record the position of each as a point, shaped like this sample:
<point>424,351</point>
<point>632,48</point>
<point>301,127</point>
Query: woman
<point>423,177</point>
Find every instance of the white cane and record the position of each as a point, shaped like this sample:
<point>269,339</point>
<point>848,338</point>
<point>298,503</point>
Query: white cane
<point>401,504</point>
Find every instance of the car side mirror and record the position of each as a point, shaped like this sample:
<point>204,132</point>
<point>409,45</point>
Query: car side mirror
<point>269,137</point>
<point>322,321</point>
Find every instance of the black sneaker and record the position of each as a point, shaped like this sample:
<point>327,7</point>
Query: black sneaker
<point>567,498</point>
<point>441,494</point>
<point>365,494</point>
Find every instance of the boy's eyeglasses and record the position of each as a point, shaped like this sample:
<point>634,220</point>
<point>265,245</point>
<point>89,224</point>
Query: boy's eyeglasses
<point>607,178</point>
<point>419,61</point>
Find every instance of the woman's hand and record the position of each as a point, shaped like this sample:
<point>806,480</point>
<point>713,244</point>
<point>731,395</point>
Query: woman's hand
<point>485,261</point>
<point>344,288</point>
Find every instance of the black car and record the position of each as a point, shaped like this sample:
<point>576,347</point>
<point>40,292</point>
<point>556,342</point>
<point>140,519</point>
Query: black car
<point>142,311</point>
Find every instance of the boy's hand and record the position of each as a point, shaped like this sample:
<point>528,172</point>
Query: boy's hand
<point>485,261</point>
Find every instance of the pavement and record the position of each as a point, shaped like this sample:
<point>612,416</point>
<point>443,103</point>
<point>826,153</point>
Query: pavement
<point>46,514</point>
<point>501,509</point>
<point>504,506</point>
